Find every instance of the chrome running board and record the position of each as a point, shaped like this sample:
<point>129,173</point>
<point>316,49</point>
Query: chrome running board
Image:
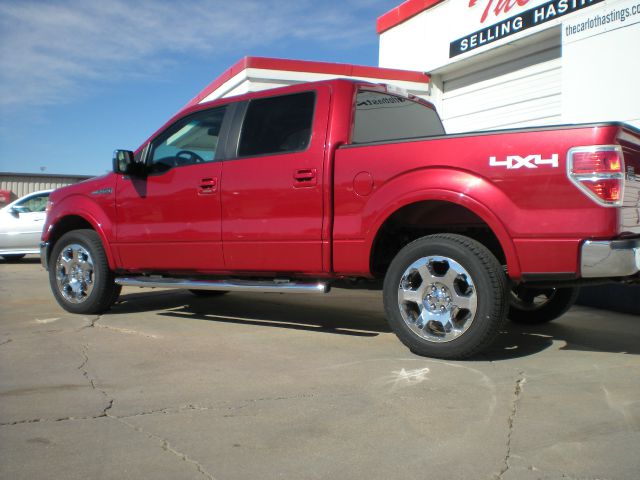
<point>260,286</point>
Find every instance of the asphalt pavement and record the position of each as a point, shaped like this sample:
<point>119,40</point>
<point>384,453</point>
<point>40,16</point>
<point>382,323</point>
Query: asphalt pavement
<point>168,385</point>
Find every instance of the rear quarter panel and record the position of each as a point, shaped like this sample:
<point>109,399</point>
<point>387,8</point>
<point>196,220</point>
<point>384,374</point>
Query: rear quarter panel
<point>537,214</point>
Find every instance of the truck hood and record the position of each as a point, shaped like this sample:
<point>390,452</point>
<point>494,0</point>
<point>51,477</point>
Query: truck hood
<point>87,187</point>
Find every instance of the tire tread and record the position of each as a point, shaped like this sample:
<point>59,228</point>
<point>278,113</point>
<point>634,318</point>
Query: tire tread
<point>498,286</point>
<point>105,291</point>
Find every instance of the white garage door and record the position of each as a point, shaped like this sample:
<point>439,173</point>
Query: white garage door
<point>521,92</point>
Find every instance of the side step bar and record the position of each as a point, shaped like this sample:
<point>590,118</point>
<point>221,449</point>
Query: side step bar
<point>261,286</point>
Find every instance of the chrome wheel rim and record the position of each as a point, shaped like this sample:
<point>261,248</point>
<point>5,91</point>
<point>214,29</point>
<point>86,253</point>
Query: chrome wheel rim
<point>74,273</point>
<point>437,299</point>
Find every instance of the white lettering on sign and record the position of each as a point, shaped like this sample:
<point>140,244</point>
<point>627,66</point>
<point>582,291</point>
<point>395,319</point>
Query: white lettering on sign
<point>544,11</point>
<point>530,161</point>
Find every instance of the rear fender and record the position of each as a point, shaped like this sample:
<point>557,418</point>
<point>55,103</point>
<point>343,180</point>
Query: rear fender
<point>454,186</point>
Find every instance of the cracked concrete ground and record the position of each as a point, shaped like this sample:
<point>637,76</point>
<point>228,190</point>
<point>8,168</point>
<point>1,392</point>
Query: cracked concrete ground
<point>245,386</point>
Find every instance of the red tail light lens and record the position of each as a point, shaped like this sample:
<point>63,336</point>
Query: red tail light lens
<point>607,190</point>
<point>598,172</point>
<point>606,161</point>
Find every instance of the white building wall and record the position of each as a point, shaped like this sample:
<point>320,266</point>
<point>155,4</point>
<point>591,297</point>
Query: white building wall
<point>601,66</point>
<point>518,89</point>
<point>591,77</point>
<point>421,43</point>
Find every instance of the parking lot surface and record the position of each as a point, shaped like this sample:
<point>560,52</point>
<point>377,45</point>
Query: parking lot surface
<point>168,385</point>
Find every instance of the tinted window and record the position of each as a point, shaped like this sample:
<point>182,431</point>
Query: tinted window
<point>387,117</point>
<point>191,140</point>
<point>277,124</point>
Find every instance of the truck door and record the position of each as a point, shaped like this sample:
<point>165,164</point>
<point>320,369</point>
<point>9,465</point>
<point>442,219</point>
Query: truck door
<point>170,218</point>
<point>272,192</point>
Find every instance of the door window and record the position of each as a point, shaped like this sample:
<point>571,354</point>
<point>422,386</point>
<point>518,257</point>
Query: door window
<point>36,203</point>
<point>193,139</point>
<point>277,125</point>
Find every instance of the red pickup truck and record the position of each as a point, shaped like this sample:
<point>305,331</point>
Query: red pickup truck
<point>343,182</point>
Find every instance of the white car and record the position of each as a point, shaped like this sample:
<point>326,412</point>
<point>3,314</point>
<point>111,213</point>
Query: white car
<point>21,224</point>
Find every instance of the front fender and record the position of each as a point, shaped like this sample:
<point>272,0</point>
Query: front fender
<point>65,214</point>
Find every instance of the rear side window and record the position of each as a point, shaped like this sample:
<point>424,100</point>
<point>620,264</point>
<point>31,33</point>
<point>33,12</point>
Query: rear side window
<point>383,117</point>
<point>277,125</point>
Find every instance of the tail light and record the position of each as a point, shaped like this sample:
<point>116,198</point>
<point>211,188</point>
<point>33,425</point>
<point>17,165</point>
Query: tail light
<point>598,172</point>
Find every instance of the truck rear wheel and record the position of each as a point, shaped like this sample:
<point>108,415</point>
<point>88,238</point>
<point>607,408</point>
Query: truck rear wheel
<point>445,296</point>
<point>540,305</point>
<point>79,273</point>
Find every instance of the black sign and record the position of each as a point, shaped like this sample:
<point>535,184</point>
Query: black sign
<point>516,24</point>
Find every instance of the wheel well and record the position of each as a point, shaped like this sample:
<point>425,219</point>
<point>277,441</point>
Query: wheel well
<point>66,224</point>
<point>427,218</point>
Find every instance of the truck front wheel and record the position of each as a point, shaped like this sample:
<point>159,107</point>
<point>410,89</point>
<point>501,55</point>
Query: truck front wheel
<point>445,296</point>
<point>79,273</point>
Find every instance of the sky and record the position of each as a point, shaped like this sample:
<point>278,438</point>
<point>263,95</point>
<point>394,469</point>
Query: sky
<point>81,78</point>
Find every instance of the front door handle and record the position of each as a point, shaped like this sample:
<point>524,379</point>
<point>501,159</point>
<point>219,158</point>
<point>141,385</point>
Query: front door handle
<point>305,177</point>
<point>208,186</point>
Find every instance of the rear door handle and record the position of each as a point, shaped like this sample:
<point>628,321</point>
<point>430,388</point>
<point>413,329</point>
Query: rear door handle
<point>305,177</point>
<point>208,186</point>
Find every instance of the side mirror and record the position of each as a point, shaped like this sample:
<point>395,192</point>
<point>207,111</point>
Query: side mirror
<point>123,161</point>
<point>14,212</point>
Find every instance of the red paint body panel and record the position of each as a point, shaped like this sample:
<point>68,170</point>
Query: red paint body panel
<point>91,200</point>
<point>263,220</point>
<point>165,222</point>
<point>548,255</point>
<point>273,205</point>
<point>535,203</point>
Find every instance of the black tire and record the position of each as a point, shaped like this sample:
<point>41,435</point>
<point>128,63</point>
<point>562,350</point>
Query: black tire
<point>116,295</point>
<point>13,257</point>
<point>79,273</point>
<point>208,293</point>
<point>540,305</point>
<point>472,277</point>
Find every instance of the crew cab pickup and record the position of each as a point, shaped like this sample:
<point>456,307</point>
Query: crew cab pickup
<point>300,188</point>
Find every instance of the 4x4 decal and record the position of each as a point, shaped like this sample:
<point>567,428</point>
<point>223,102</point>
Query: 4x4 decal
<point>530,161</point>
